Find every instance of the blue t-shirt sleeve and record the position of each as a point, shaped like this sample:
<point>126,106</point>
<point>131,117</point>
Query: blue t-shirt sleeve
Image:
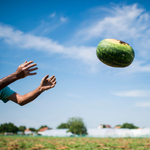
<point>5,93</point>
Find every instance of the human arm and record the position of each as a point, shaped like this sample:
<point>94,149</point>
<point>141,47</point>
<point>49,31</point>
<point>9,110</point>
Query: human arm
<point>22,71</point>
<point>46,84</point>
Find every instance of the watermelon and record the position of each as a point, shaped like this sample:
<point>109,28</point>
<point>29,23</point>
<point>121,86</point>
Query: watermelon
<point>115,53</point>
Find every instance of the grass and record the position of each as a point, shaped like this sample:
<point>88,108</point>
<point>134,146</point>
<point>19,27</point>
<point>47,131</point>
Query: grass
<point>72,143</point>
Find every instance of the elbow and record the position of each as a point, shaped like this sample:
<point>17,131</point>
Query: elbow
<point>18,99</point>
<point>21,102</point>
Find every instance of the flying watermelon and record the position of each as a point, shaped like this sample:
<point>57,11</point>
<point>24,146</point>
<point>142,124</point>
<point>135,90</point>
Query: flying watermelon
<point>115,53</point>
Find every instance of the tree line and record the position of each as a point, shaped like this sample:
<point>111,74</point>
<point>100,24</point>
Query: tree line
<point>128,126</point>
<point>74,125</point>
<point>10,127</point>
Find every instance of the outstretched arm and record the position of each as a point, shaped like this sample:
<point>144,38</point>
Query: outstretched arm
<point>46,84</point>
<point>22,71</point>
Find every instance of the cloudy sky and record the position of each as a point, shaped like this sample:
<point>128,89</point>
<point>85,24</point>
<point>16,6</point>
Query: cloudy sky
<point>61,37</point>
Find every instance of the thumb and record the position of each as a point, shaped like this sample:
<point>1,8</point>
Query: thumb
<point>25,62</point>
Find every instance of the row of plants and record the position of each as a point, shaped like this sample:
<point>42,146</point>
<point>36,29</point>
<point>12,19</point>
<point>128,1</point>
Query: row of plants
<point>72,143</point>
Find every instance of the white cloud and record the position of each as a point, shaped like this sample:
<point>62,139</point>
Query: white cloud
<point>52,15</point>
<point>133,93</point>
<point>63,19</point>
<point>46,27</point>
<point>143,104</point>
<point>120,23</point>
<point>29,41</point>
<point>138,66</point>
<point>128,23</point>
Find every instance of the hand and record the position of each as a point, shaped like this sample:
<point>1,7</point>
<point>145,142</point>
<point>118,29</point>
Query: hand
<point>47,83</point>
<point>25,69</point>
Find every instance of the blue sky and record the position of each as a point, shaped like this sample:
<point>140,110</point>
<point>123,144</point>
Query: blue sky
<point>61,37</point>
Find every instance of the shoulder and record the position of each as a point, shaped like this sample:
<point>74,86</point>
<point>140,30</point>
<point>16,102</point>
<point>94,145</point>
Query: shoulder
<point>6,89</point>
<point>5,93</point>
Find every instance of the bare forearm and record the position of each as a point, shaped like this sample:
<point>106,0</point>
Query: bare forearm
<point>46,84</point>
<point>30,96</point>
<point>7,80</point>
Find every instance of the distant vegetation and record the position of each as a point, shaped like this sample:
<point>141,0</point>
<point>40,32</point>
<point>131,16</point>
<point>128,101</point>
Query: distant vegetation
<point>129,126</point>
<point>63,126</point>
<point>10,127</point>
<point>74,125</point>
<point>44,127</point>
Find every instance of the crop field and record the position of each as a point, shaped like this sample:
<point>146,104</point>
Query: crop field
<point>72,143</point>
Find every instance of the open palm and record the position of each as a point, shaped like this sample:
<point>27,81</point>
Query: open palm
<point>48,83</point>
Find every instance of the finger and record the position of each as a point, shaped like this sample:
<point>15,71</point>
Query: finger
<point>34,73</point>
<point>32,69</point>
<point>50,86</point>
<point>52,77</point>
<point>55,83</point>
<point>28,63</point>
<point>30,66</point>
<point>52,80</point>
<point>23,63</point>
<point>45,77</point>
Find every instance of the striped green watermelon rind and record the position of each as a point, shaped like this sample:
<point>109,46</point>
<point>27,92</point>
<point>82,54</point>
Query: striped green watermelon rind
<point>115,54</point>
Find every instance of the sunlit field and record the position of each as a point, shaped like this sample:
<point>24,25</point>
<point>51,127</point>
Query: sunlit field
<point>72,143</point>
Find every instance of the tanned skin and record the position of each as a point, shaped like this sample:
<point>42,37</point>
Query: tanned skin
<point>23,71</point>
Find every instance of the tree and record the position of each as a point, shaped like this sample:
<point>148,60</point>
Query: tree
<point>63,126</point>
<point>8,127</point>
<point>118,125</point>
<point>32,129</point>
<point>76,126</point>
<point>43,126</point>
<point>129,126</point>
<point>21,128</point>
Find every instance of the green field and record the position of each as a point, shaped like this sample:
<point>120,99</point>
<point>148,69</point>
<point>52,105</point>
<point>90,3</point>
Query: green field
<point>72,143</point>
